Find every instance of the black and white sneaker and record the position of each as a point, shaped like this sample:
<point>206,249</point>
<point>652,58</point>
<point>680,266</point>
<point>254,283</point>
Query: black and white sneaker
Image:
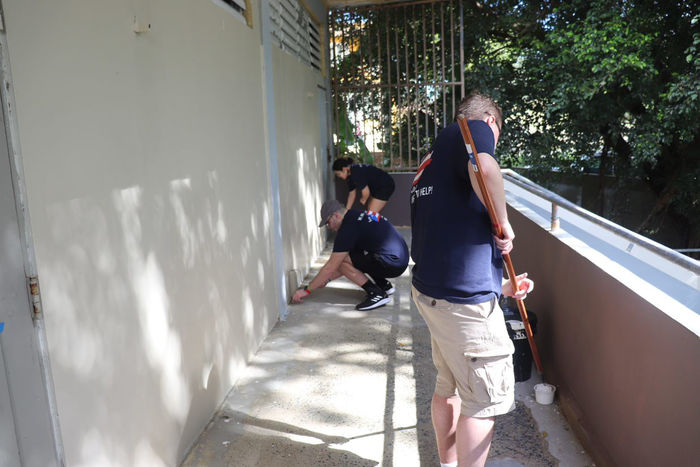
<point>373,301</point>
<point>388,287</point>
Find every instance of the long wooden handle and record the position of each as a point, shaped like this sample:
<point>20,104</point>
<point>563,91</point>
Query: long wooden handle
<point>498,230</point>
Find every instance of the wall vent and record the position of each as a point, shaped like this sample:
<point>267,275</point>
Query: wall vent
<point>294,31</point>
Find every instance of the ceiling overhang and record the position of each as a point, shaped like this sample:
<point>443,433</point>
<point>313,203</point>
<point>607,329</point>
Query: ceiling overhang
<point>335,4</point>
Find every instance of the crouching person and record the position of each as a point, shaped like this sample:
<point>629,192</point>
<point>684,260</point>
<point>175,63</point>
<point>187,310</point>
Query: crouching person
<point>366,244</point>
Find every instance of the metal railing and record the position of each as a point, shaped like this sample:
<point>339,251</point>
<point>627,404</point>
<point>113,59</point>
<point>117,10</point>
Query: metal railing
<point>559,201</point>
<point>397,76</point>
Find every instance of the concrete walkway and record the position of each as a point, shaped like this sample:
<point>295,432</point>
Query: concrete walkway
<point>332,386</point>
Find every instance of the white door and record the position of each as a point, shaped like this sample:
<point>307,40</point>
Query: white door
<point>11,285</point>
<point>9,450</point>
<point>26,433</point>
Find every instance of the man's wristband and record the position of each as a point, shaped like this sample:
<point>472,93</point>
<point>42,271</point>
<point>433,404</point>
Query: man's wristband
<point>307,289</point>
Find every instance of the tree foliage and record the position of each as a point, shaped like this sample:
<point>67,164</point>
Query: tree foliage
<point>604,86</point>
<point>610,86</point>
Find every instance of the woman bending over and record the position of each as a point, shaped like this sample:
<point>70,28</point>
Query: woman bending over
<point>374,185</point>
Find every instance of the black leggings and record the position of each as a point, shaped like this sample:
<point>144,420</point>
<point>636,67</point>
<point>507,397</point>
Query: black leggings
<point>383,192</point>
<point>375,265</point>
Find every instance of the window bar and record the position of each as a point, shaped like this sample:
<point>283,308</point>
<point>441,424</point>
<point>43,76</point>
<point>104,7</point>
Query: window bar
<point>461,48</point>
<point>424,97</point>
<point>352,59</point>
<point>408,114</point>
<point>442,65</point>
<point>371,73</point>
<point>334,76</point>
<point>388,102</point>
<point>379,93</point>
<point>349,79</point>
<point>435,55</point>
<point>363,78</point>
<point>338,38</point>
<point>356,59</point>
<point>398,92</point>
<point>416,97</point>
<point>373,69</point>
<point>452,54</point>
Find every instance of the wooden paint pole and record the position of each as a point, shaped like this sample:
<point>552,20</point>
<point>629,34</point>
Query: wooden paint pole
<point>498,230</point>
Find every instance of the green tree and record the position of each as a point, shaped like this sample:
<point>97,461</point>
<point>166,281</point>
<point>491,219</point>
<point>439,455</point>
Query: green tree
<point>609,86</point>
<point>614,79</point>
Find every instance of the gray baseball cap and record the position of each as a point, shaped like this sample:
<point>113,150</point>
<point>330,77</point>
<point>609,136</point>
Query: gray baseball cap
<point>329,208</point>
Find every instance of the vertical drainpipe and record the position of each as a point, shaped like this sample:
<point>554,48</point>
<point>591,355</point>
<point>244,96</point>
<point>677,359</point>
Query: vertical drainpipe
<point>269,102</point>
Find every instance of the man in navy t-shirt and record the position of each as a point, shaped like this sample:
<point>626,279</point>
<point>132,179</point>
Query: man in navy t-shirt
<point>457,280</point>
<point>366,243</point>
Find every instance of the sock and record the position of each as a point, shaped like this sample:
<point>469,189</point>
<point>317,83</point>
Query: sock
<point>451,464</point>
<point>372,288</point>
<point>380,281</point>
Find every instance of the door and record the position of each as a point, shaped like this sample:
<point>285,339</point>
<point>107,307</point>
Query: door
<point>26,431</point>
<point>13,296</point>
<point>9,453</point>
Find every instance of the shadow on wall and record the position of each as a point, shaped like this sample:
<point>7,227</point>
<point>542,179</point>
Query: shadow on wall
<point>155,299</point>
<point>301,198</point>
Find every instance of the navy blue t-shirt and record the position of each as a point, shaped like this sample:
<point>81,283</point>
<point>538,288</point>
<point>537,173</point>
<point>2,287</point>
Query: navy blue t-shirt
<point>360,232</point>
<point>456,257</point>
<point>362,175</point>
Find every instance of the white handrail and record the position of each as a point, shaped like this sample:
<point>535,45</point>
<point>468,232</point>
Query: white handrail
<point>559,201</point>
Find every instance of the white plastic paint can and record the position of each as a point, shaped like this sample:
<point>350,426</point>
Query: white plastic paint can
<point>544,393</point>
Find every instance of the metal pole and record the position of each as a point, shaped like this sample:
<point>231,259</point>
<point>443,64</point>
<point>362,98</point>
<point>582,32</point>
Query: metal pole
<point>389,106</point>
<point>461,48</point>
<point>555,216</point>
<point>415,89</point>
<point>398,91</point>
<point>452,54</point>
<point>442,65</point>
<point>421,148</point>
<point>408,114</point>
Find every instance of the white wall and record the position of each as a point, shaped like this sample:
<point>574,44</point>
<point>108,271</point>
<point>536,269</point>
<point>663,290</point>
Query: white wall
<point>300,159</point>
<point>150,202</point>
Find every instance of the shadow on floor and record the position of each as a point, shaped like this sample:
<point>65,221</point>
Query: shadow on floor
<point>332,386</point>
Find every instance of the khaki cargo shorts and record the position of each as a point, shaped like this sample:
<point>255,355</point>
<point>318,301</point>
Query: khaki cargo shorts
<point>472,353</point>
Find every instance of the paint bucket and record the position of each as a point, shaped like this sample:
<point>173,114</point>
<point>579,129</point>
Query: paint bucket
<point>544,393</point>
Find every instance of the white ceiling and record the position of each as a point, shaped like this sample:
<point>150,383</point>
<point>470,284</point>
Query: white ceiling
<point>333,4</point>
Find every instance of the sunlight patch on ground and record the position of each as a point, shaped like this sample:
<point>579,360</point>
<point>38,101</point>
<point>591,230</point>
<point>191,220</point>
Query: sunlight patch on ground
<point>342,284</point>
<point>352,314</point>
<point>234,367</point>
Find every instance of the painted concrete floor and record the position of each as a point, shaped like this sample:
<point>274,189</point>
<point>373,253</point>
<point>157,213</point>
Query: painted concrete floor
<point>332,386</point>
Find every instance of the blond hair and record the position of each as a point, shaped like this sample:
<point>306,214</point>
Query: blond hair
<point>477,106</point>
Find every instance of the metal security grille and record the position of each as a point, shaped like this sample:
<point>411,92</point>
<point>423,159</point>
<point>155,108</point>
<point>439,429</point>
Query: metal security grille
<point>396,76</point>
